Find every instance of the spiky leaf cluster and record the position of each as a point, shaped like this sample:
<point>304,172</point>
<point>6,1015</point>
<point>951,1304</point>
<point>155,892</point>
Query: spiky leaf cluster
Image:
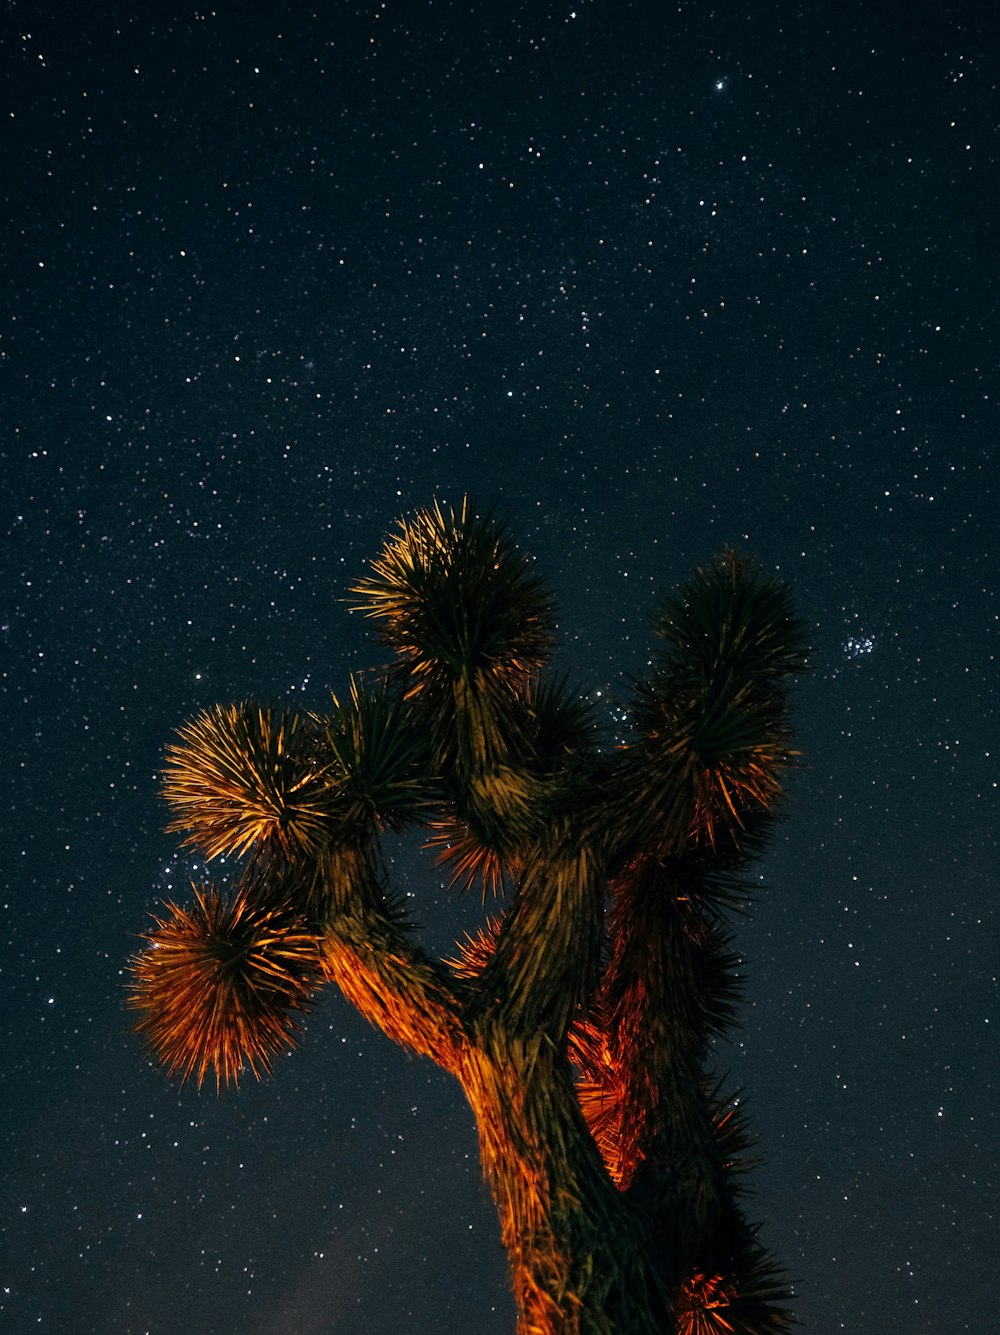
<point>376,760</point>
<point>453,594</point>
<point>221,982</point>
<point>476,950</point>
<point>713,718</point>
<point>243,776</point>
<point>563,721</point>
<point>469,856</point>
<point>458,602</point>
<point>747,1295</point>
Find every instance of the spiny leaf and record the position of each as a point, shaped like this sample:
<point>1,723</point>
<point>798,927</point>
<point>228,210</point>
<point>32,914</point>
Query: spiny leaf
<point>713,717</point>
<point>453,595</point>
<point>563,719</point>
<point>241,776</point>
<point>475,951</point>
<point>729,615</point>
<point>470,861</point>
<point>221,980</point>
<point>746,1294</point>
<point>378,757</point>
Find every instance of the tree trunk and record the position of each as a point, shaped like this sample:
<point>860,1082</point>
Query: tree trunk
<point>580,1260</point>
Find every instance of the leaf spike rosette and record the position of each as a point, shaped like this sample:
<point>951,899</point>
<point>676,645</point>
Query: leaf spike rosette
<point>242,776</point>
<point>221,982</point>
<point>457,600</point>
<point>746,1295</point>
<point>713,718</point>
<point>378,758</point>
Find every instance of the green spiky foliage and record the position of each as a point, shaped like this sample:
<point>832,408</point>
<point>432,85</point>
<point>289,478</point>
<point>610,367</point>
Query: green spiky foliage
<point>580,1019</point>
<point>378,761</point>
<point>713,716</point>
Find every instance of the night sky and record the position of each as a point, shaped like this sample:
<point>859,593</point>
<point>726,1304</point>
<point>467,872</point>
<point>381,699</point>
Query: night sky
<point>653,278</point>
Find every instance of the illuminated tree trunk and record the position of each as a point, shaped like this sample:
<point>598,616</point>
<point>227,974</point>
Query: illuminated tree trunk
<point>577,1250</point>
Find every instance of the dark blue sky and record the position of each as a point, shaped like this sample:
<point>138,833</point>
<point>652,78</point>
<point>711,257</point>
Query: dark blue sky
<point>653,278</point>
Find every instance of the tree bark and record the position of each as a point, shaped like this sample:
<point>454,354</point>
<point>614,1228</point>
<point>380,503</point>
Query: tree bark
<point>580,1260</point>
<point>398,988</point>
<point>581,1256</point>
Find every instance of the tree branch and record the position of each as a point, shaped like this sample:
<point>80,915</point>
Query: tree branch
<point>398,988</point>
<point>547,952</point>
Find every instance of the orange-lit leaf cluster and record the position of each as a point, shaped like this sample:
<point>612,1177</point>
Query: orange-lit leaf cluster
<point>244,777</point>
<point>476,951</point>
<point>220,983</point>
<point>701,1306</point>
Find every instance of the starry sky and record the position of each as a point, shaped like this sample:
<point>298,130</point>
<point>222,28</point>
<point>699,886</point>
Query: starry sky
<point>653,278</point>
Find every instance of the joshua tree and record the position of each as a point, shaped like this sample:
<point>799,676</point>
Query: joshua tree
<point>579,1019</point>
